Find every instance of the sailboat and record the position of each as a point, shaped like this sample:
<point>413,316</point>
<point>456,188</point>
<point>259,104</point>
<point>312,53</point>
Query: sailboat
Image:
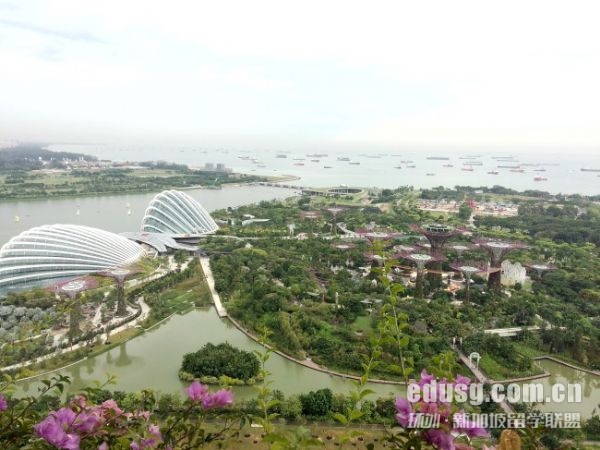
<point>17,218</point>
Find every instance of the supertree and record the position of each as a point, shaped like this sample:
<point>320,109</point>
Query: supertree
<point>374,235</point>
<point>334,211</point>
<point>541,268</point>
<point>344,246</point>
<point>437,234</point>
<point>119,274</point>
<point>312,216</point>
<point>461,248</point>
<point>420,260</point>
<point>468,269</point>
<point>72,289</point>
<point>376,259</point>
<point>497,251</point>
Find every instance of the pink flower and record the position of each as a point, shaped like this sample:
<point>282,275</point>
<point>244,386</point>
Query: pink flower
<point>196,391</point>
<point>110,407</point>
<point>404,411</point>
<point>439,439</point>
<point>64,416</point>
<point>218,399</point>
<point>53,430</point>
<point>87,422</point>
<point>3,403</point>
<point>462,380</point>
<point>426,378</point>
<point>153,429</point>
<point>143,414</point>
<point>471,429</point>
<point>103,446</point>
<point>78,400</point>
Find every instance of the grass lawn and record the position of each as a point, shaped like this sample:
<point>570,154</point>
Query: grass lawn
<point>527,350</point>
<point>497,371</point>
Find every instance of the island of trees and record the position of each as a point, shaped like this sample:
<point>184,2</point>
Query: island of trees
<point>221,363</point>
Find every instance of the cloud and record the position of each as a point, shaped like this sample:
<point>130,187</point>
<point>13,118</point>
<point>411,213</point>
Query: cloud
<point>78,36</point>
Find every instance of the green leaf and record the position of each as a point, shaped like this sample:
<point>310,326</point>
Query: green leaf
<point>366,392</point>
<point>355,415</point>
<point>341,418</point>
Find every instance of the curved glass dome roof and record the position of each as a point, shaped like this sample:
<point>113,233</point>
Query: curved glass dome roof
<point>58,251</point>
<point>177,213</point>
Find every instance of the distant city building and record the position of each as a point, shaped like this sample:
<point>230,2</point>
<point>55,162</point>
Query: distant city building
<point>60,251</point>
<point>211,167</point>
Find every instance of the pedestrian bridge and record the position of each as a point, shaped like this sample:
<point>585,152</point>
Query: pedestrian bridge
<point>507,332</point>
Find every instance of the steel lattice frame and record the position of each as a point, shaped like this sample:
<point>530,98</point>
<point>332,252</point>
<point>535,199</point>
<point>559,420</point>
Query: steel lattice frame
<point>177,213</point>
<point>60,251</point>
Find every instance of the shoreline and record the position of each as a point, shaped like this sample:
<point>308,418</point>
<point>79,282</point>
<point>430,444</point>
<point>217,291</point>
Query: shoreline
<point>314,366</point>
<point>309,365</point>
<point>282,179</point>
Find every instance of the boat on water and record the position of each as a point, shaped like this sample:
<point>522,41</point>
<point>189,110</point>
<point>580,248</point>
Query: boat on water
<point>315,160</point>
<point>493,172</point>
<point>354,163</point>
<point>448,165</point>
<point>539,170</point>
<point>327,167</point>
<point>397,167</point>
<point>473,163</point>
<point>406,161</point>
<point>438,158</point>
<point>281,156</point>
<point>299,164</point>
<point>17,219</point>
<point>430,174</point>
<point>317,155</point>
<point>518,170</point>
<point>587,169</point>
<point>539,178</point>
<point>467,168</point>
<point>343,158</point>
<point>509,167</point>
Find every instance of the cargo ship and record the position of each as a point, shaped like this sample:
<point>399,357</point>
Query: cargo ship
<point>587,169</point>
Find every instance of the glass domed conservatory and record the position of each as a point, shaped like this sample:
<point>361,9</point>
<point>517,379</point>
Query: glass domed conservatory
<point>178,214</point>
<point>60,251</point>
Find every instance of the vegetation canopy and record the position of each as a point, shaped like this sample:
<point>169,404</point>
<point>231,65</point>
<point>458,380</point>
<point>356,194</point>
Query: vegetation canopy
<point>222,359</point>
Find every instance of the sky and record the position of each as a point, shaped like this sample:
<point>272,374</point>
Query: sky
<point>456,73</point>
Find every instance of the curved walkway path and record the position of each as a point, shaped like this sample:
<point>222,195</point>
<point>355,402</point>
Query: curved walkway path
<point>308,362</point>
<point>145,310</point>
<point>569,365</point>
